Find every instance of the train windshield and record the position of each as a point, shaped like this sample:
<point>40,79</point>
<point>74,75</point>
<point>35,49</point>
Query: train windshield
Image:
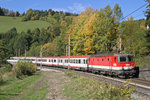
<point>125,59</point>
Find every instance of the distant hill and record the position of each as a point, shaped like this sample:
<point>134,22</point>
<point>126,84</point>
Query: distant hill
<point>7,23</point>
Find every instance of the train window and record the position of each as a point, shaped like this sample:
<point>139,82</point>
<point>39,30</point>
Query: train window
<point>54,60</point>
<point>79,61</point>
<point>76,61</point>
<point>102,59</point>
<point>108,59</point>
<point>86,61</point>
<point>44,60</point>
<point>115,59</point>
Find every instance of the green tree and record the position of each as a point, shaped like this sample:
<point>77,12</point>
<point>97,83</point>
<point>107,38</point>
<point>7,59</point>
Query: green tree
<point>1,12</point>
<point>17,13</point>
<point>133,38</point>
<point>49,50</point>
<point>4,53</point>
<point>105,29</point>
<point>34,50</point>
<point>117,12</point>
<point>22,42</point>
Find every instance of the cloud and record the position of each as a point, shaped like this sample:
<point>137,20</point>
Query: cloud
<point>77,8</point>
<point>60,9</point>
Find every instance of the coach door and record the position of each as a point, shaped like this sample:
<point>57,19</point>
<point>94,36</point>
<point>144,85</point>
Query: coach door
<point>110,63</point>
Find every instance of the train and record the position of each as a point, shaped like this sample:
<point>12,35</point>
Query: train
<point>113,64</point>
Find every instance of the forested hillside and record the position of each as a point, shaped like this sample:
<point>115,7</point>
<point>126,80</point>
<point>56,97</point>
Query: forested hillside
<point>92,32</point>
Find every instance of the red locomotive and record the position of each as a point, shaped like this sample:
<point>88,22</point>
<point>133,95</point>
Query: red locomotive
<point>113,64</point>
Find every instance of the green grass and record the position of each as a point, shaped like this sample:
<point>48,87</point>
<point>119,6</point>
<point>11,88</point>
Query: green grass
<point>84,88</point>
<point>6,23</point>
<point>34,94</point>
<point>23,89</point>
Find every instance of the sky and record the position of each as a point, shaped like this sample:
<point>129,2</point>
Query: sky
<point>76,6</point>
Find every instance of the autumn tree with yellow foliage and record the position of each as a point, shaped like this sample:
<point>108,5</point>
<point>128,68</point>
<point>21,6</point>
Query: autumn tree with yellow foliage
<point>93,31</point>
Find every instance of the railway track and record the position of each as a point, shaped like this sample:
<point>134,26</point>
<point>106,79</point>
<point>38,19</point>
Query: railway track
<point>142,87</point>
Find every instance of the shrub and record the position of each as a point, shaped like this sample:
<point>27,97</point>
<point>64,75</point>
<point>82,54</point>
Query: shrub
<point>7,68</point>
<point>24,68</point>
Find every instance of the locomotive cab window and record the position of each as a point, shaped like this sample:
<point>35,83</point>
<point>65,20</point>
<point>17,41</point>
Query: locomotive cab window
<point>123,59</point>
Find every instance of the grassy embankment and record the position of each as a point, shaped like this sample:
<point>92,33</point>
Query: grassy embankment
<point>83,88</point>
<point>6,23</point>
<point>26,89</point>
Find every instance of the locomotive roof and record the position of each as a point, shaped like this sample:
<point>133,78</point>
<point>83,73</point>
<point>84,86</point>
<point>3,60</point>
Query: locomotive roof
<point>111,54</point>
